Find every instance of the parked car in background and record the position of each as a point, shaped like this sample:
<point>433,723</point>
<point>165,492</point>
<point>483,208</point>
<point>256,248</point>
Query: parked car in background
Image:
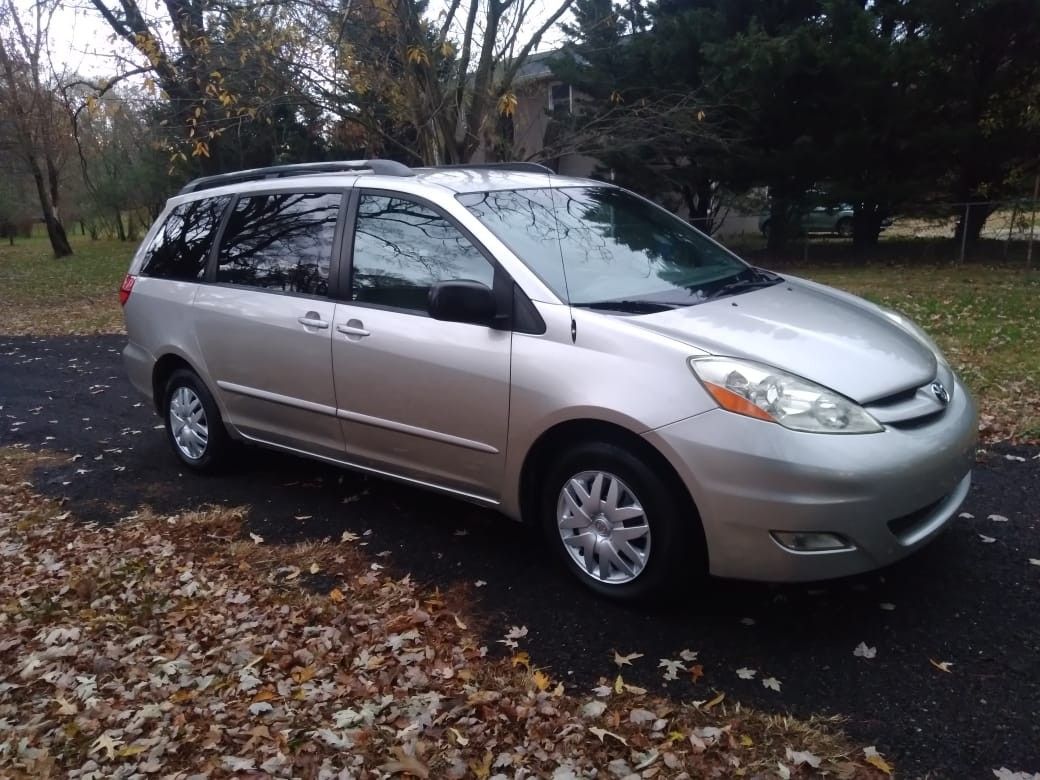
<point>560,350</point>
<point>835,220</point>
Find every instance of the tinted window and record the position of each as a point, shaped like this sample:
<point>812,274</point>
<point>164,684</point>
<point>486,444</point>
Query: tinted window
<point>280,242</point>
<point>181,247</point>
<point>402,248</point>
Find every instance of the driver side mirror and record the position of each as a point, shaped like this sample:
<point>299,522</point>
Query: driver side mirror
<point>462,300</point>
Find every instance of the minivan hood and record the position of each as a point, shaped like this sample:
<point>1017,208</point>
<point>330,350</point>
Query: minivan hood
<point>829,337</point>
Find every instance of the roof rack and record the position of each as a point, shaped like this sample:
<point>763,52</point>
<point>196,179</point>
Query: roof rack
<point>383,167</point>
<point>526,167</point>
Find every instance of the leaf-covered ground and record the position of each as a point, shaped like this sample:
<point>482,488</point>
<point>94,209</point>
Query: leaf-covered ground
<point>172,646</point>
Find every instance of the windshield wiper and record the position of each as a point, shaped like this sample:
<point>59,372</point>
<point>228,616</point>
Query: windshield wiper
<point>757,281</point>
<point>629,307</point>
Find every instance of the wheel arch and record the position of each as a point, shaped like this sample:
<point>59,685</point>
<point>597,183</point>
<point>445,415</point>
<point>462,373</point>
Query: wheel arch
<point>564,434</point>
<point>163,370</point>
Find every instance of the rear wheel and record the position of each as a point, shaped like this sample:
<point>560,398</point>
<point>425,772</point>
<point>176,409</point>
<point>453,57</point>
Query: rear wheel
<point>193,424</point>
<point>844,228</point>
<point>617,525</point>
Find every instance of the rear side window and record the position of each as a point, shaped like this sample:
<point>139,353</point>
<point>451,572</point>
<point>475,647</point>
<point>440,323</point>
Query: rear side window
<point>402,248</point>
<point>280,242</point>
<point>181,247</point>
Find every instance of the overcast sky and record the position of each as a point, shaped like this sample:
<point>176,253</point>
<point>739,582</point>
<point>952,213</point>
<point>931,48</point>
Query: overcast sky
<point>83,42</point>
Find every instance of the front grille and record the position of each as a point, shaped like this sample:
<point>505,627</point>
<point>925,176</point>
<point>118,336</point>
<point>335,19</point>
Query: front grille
<point>907,525</point>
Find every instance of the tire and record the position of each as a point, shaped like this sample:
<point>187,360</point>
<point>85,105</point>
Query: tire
<point>183,400</point>
<point>656,564</point>
<point>844,228</point>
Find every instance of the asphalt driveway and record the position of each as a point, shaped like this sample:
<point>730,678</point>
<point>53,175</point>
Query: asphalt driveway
<point>971,599</point>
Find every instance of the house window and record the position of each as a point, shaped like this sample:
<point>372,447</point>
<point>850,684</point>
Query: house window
<point>560,99</point>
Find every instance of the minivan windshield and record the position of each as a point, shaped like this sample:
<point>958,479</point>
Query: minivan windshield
<point>604,248</point>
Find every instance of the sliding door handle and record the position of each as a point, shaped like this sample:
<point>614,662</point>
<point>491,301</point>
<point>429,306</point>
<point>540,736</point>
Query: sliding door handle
<point>353,328</point>
<point>313,322</point>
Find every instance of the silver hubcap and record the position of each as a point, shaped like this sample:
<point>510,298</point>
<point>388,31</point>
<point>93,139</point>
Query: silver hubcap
<point>188,423</point>
<point>603,527</point>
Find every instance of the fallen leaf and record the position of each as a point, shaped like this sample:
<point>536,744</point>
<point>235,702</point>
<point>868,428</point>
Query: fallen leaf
<point>671,668</point>
<point>522,659</point>
<point>626,660</point>
<point>640,716</point>
<point>314,568</point>
<point>688,655</point>
<point>601,733</point>
<point>863,651</point>
<point>772,683</point>
<point>696,672</point>
<point>876,760</point>
<point>541,680</point>
<point>593,709</point>
<point>746,674</point>
<point>405,764</point>
<point>717,700</point>
<point>997,518</point>
<point>336,596</point>
<point>942,666</point>
<point>257,538</point>
<point>986,539</point>
<point>347,536</point>
<point>803,757</point>
<point>107,744</point>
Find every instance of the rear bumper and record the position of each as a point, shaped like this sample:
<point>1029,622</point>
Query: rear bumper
<point>887,493</point>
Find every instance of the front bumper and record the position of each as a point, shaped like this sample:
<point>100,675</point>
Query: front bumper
<point>887,493</point>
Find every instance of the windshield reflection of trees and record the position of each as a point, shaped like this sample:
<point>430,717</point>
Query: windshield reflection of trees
<point>592,233</point>
<point>401,248</point>
<point>280,242</point>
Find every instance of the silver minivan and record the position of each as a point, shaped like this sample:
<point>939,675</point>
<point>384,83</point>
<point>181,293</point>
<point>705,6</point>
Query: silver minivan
<point>559,349</point>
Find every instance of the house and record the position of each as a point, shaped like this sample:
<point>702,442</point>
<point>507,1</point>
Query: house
<point>540,98</point>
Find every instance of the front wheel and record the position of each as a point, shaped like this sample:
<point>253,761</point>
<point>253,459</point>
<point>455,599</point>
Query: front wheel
<point>193,425</point>
<point>844,228</point>
<point>618,526</point>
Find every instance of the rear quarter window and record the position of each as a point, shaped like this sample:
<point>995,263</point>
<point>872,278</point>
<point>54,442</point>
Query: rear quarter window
<point>181,248</point>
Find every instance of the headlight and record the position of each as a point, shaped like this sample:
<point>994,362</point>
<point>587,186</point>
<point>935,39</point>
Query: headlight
<point>916,331</point>
<point>766,393</point>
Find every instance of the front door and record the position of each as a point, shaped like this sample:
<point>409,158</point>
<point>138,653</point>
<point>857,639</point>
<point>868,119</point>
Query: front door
<point>265,323</point>
<point>417,397</point>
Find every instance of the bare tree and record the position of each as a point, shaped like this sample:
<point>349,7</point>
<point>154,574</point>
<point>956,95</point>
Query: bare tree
<point>449,79</point>
<point>28,98</point>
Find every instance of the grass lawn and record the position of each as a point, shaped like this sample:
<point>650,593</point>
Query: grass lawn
<point>985,317</point>
<point>76,295</point>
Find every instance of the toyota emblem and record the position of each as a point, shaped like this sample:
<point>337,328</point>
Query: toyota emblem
<point>941,392</point>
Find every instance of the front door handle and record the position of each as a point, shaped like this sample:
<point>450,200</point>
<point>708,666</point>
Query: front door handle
<point>313,320</point>
<point>354,328</point>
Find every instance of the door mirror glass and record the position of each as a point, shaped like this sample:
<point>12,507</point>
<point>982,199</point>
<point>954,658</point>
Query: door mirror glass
<point>462,301</point>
